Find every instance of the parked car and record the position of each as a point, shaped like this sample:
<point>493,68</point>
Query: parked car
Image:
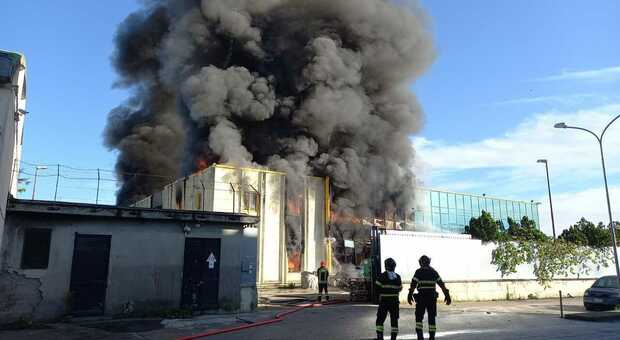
<point>603,295</point>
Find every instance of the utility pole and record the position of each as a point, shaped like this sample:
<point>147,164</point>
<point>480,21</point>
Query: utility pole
<point>98,180</point>
<point>57,179</point>
<point>36,173</point>
<point>550,200</point>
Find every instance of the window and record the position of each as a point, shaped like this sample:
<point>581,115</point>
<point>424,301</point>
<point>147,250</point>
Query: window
<point>434,198</point>
<point>436,221</point>
<point>36,251</point>
<point>475,207</point>
<point>250,201</point>
<point>443,200</point>
<point>503,210</point>
<point>467,203</point>
<point>606,282</point>
<point>198,201</point>
<point>459,202</point>
<point>157,200</point>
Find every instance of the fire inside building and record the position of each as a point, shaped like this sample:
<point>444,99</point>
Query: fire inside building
<point>296,233</point>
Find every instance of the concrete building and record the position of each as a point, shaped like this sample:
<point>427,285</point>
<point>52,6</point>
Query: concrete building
<point>12,111</point>
<point>58,258</point>
<point>292,230</point>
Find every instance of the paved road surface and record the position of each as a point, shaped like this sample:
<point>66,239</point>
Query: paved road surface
<point>534,319</point>
<point>498,321</point>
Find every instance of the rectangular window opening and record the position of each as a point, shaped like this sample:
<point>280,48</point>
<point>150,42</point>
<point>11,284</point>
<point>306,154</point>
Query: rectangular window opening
<point>250,201</point>
<point>36,251</point>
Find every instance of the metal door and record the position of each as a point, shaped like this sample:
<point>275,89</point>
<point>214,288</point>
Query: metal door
<point>89,274</point>
<point>201,273</point>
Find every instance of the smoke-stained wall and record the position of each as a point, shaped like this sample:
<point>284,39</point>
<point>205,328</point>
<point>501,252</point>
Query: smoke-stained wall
<point>316,87</point>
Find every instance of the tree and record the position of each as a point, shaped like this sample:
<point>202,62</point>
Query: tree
<point>483,228</point>
<point>585,233</point>
<point>526,230</point>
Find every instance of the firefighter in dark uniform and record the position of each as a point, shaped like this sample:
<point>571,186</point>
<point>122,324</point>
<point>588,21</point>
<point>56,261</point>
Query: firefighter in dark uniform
<point>389,286</point>
<point>425,279</point>
<point>323,274</point>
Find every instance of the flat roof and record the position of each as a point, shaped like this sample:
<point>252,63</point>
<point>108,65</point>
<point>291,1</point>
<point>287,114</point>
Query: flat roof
<point>475,195</point>
<point>111,211</point>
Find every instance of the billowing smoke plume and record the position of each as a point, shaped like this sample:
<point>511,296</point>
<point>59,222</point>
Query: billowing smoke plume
<point>309,87</point>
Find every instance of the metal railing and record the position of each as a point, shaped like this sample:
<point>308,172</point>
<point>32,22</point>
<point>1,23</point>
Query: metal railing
<point>63,183</point>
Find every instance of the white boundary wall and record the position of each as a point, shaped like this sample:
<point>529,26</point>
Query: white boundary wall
<point>465,265</point>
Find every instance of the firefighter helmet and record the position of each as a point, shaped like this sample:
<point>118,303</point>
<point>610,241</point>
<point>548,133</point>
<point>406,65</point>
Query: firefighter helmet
<point>390,264</point>
<point>425,261</point>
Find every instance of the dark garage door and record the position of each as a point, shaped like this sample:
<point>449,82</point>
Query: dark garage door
<point>201,273</point>
<point>89,274</point>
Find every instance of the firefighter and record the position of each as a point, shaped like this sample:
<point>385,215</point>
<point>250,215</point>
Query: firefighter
<point>425,279</point>
<point>322,274</point>
<point>389,286</point>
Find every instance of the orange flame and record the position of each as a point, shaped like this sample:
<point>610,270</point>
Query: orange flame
<point>202,164</point>
<point>294,206</point>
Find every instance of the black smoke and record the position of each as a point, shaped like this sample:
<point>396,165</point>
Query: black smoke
<point>315,87</point>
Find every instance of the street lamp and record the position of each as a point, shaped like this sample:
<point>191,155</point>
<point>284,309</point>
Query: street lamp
<point>549,188</point>
<point>600,144</point>
<point>36,173</point>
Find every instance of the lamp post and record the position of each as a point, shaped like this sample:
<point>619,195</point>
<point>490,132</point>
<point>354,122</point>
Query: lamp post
<point>550,201</point>
<point>611,221</point>
<point>36,173</point>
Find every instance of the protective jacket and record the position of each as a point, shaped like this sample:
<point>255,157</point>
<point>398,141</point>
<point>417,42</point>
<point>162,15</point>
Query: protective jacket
<point>389,287</point>
<point>322,274</point>
<point>426,280</point>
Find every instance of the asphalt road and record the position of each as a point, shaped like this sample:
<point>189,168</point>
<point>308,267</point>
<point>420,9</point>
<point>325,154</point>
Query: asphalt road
<point>535,321</point>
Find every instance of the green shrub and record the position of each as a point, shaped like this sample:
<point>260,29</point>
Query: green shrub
<point>483,228</point>
<point>585,233</point>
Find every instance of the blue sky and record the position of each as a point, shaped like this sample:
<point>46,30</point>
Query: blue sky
<point>505,72</point>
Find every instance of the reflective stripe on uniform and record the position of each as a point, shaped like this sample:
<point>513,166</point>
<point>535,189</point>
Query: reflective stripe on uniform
<point>432,328</point>
<point>416,279</point>
<point>392,286</point>
<point>394,330</point>
<point>419,326</point>
<point>388,295</point>
<point>379,283</point>
<point>380,329</point>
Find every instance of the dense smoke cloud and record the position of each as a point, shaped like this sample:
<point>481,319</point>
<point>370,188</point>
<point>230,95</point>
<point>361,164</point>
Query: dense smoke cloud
<point>315,87</point>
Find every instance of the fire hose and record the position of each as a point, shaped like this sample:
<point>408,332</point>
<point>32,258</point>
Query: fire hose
<point>278,318</point>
